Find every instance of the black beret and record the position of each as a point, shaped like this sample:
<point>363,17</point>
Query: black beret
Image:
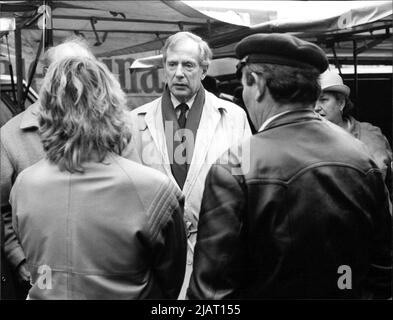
<point>282,49</point>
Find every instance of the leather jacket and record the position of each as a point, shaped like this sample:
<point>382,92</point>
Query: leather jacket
<point>286,218</point>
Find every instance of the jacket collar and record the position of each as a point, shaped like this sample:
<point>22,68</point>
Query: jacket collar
<point>211,115</point>
<point>216,103</point>
<point>293,117</point>
<point>30,117</point>
<point>353,127</point>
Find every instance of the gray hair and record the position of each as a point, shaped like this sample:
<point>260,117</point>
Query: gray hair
<point>286,84</point>
<point>205,53</point>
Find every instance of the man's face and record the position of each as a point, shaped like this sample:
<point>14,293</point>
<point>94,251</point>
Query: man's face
<point>329,107</point>
<point>182,70</point>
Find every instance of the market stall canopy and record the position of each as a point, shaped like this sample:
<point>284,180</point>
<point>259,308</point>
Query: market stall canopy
<point>334,25</point>
<point>139,27</point>
<point>108,25</point>
<point>125,27</point>
<point>350,32</point>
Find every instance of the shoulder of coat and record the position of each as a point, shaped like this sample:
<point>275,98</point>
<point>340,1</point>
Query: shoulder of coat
<point>143,109</point>
<point>230,107</point>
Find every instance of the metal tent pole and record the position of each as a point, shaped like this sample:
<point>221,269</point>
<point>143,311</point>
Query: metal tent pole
<point>19,69</point>
<point>336,62</point>
<point>355,65</point>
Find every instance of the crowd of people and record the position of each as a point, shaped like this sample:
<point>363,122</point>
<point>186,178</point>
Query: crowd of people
<point>180,199</point>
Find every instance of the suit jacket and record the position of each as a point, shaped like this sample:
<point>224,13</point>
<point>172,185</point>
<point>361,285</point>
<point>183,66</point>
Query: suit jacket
<point>20,148</point>
<point>114,232</point>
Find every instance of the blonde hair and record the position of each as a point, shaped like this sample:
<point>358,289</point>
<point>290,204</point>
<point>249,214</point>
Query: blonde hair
<point>82,113</point>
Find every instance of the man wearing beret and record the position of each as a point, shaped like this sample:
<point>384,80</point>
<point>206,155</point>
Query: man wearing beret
<point>305,215</point>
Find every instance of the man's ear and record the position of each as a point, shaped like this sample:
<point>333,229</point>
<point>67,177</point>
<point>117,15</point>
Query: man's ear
<point>261,86</point>
<point>341,104</point>
<point>204,73</point>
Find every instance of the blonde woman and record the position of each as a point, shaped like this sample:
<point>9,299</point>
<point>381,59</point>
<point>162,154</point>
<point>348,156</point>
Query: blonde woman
<point>94,225</point>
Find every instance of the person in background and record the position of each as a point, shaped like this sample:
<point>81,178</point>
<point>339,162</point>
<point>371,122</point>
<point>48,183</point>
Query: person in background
<point>210,84</point>
<point>334,105</point>
<point>305,215</point>
<point>183,132</point>
<point>102,226</point>
<point>20,148</point>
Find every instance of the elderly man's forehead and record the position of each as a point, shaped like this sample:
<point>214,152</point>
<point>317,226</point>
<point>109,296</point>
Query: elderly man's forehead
<point>185,44</point>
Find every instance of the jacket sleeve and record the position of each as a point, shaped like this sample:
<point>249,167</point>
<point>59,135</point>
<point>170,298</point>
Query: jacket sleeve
<point>379,280</point>
<point>219,251</point>
<point>12,248</point>
<point>170,243</point>
<point>379,148</point>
